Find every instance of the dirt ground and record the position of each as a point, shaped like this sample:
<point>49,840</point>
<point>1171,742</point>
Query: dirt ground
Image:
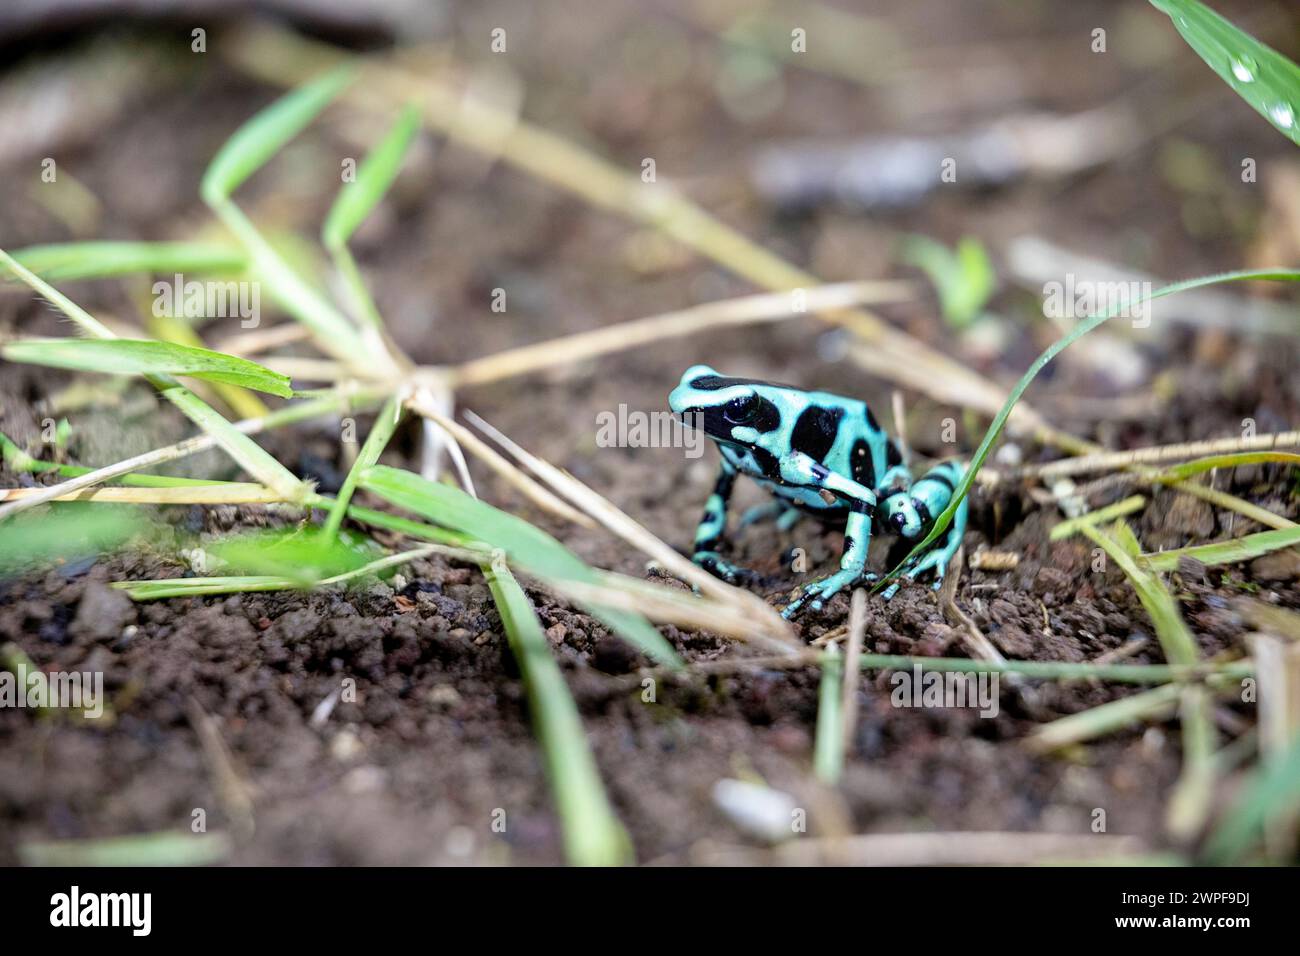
<point>439,737</point>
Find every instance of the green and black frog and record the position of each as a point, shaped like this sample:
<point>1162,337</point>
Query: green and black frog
<point>819,454</point>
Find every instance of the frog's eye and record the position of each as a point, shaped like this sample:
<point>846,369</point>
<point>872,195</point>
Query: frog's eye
<point>742,411</point>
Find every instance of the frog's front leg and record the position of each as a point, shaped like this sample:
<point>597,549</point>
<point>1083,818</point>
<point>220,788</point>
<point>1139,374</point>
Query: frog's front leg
<point>798,468</point>
<point>708,535</point>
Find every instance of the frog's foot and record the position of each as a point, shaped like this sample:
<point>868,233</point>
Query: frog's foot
<point>720,567</point>
<point>936,560</point>
<point>819,592</point>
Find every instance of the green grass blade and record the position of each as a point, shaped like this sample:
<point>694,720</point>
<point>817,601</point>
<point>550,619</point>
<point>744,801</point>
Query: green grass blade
<point>246,151</point>
<point>98,260</point>
<point>1264,78</point>
<point>355,202</point>
<point>1200,465</point>
<point>331,330</point>
<point>592,834</point>
<point>527,546</point>
<point>166,848</point>
<point>239,584</point>
<point>1224,552</point>
<point>1157,703</point>
<point>414,529</point>
<point>963,278</point>
<point>65,530</point>
<point>19,460</point>
<point>380,433</point>
<point>84,320</point>
<point>302,555</point>
<point>1175,639</point>
<point>357,199</point>
<point>148,357</point>
<point>828,749</point>
<point>1094,518</point>
<point>1193,794</point>
<point>944,519</point>
<point>266,134</point>
<point>238,445</point>
<point>1272,793</point>
<point>250,456</point>
<point>1061,670</point>
<point>158,589</point>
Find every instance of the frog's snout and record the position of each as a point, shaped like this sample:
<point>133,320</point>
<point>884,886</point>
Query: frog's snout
<point>679,400</point>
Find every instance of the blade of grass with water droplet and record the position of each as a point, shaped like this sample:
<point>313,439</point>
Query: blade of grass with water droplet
<point>527,546</point>
<point>1264,78</point>
<point>148,357</point>
<point>944,519</point>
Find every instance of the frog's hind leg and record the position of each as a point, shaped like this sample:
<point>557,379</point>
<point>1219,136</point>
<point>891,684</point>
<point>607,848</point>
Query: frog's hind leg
<point>788,519</point>
<point>712,526</point>
<point>931,495</point>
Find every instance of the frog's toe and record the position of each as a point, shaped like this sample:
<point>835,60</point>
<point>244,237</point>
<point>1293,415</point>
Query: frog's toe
<point>793,608</point>
<point>816,594</point>
<point>720,567</point>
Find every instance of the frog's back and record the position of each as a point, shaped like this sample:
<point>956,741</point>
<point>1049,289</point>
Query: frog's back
<point>860,448</point>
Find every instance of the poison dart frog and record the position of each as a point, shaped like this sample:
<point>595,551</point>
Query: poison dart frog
<point>818,454</point>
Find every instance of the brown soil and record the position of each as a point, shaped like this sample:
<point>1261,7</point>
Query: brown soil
<point>439,737</point>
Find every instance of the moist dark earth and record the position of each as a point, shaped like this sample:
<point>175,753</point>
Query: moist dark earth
<point>438,740</point>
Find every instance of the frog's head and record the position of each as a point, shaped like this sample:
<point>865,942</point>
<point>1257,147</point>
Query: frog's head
<point>905,515</point>
<point>727,409</point>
